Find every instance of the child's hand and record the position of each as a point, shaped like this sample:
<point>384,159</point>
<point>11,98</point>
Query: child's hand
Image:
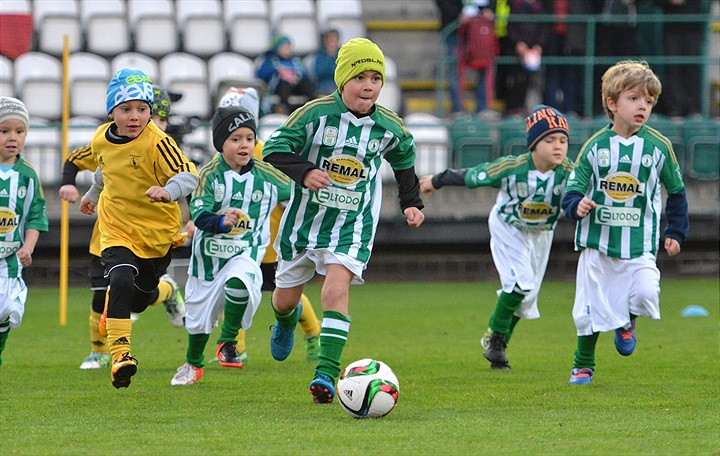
<point>25,256</point>
<point>414,216</point>
<point>68,193</point>
<point>190,228</point>
<point>231,217</point>
<point>316,179</point>
<point>672,246</point>
<point>426,185</point>
<point>87,206</point>
<point>157,194</point>
<point>585,206</point>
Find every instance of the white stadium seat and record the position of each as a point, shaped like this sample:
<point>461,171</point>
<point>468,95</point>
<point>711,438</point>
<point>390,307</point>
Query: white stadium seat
<point>38,82</point>
<point>138,61</point>
<point>345,16</point>
<point>106,26</point>
<point>248,26</point>
<point>7,86</point>
<point>227,70</point>
<point>298,20</point>
<point>53,20</point>
<point>201,26</point>
<point>391,94</point>
<point>154,26</point>
<point>89,76</point>
<point>186,74</point>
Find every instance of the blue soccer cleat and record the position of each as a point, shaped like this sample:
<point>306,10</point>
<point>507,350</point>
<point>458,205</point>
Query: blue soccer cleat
<point>322,389</point>
<point>625,340</point>
<point>581,376</point>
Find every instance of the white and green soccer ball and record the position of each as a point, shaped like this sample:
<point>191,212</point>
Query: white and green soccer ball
<point>368,388</point>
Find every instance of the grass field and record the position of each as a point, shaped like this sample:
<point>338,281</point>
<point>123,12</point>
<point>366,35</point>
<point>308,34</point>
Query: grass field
<point>665,399</point>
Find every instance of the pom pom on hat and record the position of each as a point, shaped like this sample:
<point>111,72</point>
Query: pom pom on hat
<point>228,119</point>
<point>12,108</point>
<point>544,121</point>
<point>356,56</point>
<point>247,98</point>
<point>127,85</point>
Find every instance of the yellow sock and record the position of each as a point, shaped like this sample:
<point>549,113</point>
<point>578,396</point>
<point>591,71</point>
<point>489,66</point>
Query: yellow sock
<point>97,342</point>
<point>241,341</point>
<point>119,336</point>
<point>165,291</point>
<point>308,320</point>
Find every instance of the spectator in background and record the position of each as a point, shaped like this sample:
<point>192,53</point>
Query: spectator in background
<point>458,10</point>
<point>529,39</point>
<point>324,63</point>
<point>564,83</point>
<point>289,84</point>
<point>681,94</point>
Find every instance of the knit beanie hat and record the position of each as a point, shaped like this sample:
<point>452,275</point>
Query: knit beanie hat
<point>247,97</point>
<point>12,108</point>
<point>126,85</point>
<point>228,119</point>
<point>544,121</point>
<point>356,56</point>
<point>162,103</point>
<point>278,41</point>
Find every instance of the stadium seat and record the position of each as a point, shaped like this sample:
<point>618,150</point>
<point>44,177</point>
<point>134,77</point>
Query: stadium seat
<point>38,82</point>
<point>248,26</point>
<point>106,26</point>
<point>80,133</point>
<point>228,69</point>
<point>154,26</point>
<point>702,138</point>
<point>137,61</point>
<point>471,142</point>
<point>579,133</point>
<point>88,77</point>
<point>53,20</point>
<point>298,20</point>
<point>187,74</point>
<point>7,87</point>
<point>201,26</point>
<point>431,140</point>
<point>269,123</point>
<point>391,94</point>
<point>345,16</point>
<point>513,140</point>
<point>41,150</point>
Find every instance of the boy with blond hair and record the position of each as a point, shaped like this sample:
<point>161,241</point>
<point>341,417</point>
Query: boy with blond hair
<point>615,196</point>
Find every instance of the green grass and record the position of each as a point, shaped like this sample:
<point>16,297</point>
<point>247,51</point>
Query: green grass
<point>665,399</point>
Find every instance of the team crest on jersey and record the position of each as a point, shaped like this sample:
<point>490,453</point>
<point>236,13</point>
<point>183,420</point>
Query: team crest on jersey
<point>257,196</point>
<point>21,192</point>
<point>344,170</point>
<point>135,161</point>
<point>8,221</point>
<point>557,189</point>
<point>330,135</point>
<point>603,158</point>
<point>535,210</point>
<point>621,186</point>
<point>219,192</point>
<point>374,145</point>
<point>243,224</point>
<point>522,189</point>
<point>646,160</point>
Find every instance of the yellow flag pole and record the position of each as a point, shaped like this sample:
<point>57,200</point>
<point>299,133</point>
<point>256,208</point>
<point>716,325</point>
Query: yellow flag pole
<point>64,215</point>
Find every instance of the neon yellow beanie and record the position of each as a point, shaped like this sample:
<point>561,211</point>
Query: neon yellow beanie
<point>356,56</point>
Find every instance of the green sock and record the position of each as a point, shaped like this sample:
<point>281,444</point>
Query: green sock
<point>287,321</point>
<point>3,338</point>
<point>513,323</point>
<point>236,301</point>
<point>585,351</point>
<point>196,347</point>
<point>507,305</point>
<point>333,336</point>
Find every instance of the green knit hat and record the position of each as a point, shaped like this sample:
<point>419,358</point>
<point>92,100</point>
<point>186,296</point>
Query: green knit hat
<point>356,56</point>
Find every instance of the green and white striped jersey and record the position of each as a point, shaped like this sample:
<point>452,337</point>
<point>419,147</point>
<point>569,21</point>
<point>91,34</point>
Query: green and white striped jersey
<point>254,193</point>
<point>343,217</point>
<point>528,199</point>
<point>624,177</point>
<point>22,207</point>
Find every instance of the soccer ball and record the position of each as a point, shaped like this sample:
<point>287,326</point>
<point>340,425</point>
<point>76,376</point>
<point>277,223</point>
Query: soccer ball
<point>368,388</point>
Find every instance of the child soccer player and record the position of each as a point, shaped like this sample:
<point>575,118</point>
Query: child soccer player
<point>22,211</point>
<point>614,194</point>
<point>231,209</point>
<point>141,174</point>
<point>169,293</point>
<point>248,98</point>
<point>522,221</point>
<point>332,148</point>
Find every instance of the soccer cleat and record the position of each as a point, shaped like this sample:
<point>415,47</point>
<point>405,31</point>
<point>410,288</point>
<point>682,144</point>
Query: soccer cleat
<point>494,345</point>
<point>187,374</point>
<point>122,370</point>
<point>96,360</point>
<point>322,389</point>
<point>175,305</point>
<point>281,342</point>
<point>625,340</point>
<point>581,376</point>
<point>228,356</point>
<point>243,357</point>
<point>312,345</point>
